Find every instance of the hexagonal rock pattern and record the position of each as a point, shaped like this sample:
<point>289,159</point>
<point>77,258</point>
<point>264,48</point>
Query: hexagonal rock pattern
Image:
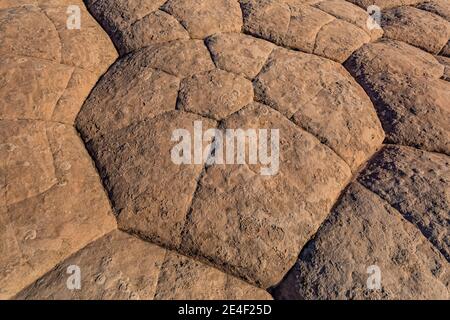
<point>109,271</point>
<point>384,4</point>
<point>239,53</point>
<point>320,96</point>
<point>439,7</point>
<point>136,24</point>
<point>446,50</point>
<point>204,18</point>
<point>219,64</point>
<point>446,63</point>
<point>405,86</point>
<point>417,184</point>
<point>48,62</point>
<point>245,222</point>
<point>419,28</point>
<point>295,24</point>
<point>363,236</point>
<point>50,191</point>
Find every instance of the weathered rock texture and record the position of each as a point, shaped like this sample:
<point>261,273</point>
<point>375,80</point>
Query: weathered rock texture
<point>334,88</point>
<point>109,271</point>
<point>364,231</point>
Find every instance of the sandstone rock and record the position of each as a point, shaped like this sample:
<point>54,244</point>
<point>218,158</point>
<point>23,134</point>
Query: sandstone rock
<point>77,90</point>
<point>384,4</point>
<point>417,184</point>
<point>439,7</point>
<point>321,97</point>
<point>446,50</point>
<point>215,94</point>
<point>295,24</point>
<point>73,42</point>
<point>338,40</point>
<point>186,62</point>
<point>182,278</point>
<point>63,195</point>
<point>137,24</point>
<point>364,231</point>
<point>49,75</point>
<point>350,13</point>
<point>204,18</point>
<point>27,31</point>
<point>253,225</point>
<point>141,178</point>
<point>179,58</point>
<point>405,86</point>
<point>446,63</point>
<point>30,88</point>
<point>416,27</point>
<point>239,53</point>
<point>109,272</point>
<point>266,19</point>
<point>128,93</point>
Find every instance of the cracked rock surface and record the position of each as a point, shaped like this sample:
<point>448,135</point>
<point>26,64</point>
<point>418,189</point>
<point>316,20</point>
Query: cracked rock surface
<point>88,128</point>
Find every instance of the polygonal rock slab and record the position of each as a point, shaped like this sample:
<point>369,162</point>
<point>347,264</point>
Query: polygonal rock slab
<point>28,31</point>
<point>297,25</point>
<point>179,58</point>
<point>109,271</point>
<point>417,184</point>
<point>101,53</point>
<point>182,278</point>
<point>350,13</point>
<point>128,93</point>
<point>64,196</point>
<point>384,4</point>
<point>151,193</point>
<point>405,86</point>
<point>439,7</point>
<point>204,18</point>
<point>364,236</point>
<point>30,88</point>
<point>253,225</point>
<point>136,24</point>
<point>215,94</point>
<point>419,28</point>
<point>239,53</point>
<point>446,63</point>
<point>321,97</point>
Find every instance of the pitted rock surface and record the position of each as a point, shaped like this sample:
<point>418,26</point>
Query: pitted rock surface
<point>337,197</point>
<point>363,231</point>
<point>313,29</point>
<point>408,179</point>
<point>411,99</point>
<point>320,96</point>
<point>111,272</point>
<point>419,28</point>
